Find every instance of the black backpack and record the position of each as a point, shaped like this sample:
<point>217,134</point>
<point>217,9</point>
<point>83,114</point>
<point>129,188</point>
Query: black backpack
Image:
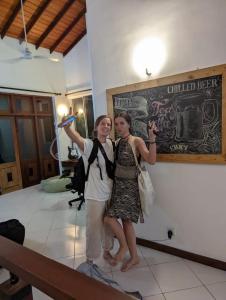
<point>80,176</point>
<point>78,180</point>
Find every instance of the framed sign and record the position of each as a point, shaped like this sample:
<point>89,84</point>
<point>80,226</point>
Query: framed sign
<point>189,111</point>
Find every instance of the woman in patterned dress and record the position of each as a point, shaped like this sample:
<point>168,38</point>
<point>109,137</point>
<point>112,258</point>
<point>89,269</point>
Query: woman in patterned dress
<point>125,202</point>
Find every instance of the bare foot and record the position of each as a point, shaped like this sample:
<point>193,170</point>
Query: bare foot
<point>109,258</point>
<point>120,254</point>
<point>130,263</point>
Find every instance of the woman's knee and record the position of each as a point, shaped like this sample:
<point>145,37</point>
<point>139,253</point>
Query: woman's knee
<point>127,223</point>
<point>107,220</point>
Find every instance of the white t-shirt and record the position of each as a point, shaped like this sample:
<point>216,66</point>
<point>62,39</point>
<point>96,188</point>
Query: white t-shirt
<point>95,188</point>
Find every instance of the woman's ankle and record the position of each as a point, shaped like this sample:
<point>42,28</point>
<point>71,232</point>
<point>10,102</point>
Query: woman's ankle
<point>121,253</point>
<point>107,253</point>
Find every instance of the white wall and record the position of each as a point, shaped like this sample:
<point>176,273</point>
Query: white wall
<point>77,67</point>
<point>190,197</point>
<point>34,74</point>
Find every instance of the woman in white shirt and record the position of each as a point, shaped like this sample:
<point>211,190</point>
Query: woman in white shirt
<point>97,190</point>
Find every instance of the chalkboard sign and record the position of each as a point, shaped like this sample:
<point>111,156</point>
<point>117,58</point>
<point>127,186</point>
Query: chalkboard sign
<point>187,108</point>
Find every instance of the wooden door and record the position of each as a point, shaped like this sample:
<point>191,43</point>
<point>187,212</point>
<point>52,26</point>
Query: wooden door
<point>10,179</point>
<point>46,142</point>
<point>28,153</point>
<point>26,134</point>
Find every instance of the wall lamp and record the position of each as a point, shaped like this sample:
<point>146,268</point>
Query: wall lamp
<point>149,56</point>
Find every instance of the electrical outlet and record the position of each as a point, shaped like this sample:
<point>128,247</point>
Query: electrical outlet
<point>170,233</point>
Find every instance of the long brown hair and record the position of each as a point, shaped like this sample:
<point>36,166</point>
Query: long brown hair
<point>127,118</point>
<point>97,122</point>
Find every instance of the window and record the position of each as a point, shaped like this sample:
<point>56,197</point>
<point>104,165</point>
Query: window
<point>23,104</point>
<point>6,141</point>
<point>85,121</point>
<point>43,105</point>
<point>4,103</point>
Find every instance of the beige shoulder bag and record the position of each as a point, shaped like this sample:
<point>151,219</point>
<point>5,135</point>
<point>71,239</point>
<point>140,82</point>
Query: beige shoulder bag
<point>146,190</point>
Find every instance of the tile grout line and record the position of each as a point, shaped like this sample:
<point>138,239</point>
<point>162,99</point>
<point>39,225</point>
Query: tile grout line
<point>149,267</point>
<point>210,292</point>
<point>183,288</point>
<point>203,284</point>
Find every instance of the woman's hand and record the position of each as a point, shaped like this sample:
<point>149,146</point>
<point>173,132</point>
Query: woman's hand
<point>64,118</point>
<point>149,155</point>
<point>73,134</point>
<point>152,131</point>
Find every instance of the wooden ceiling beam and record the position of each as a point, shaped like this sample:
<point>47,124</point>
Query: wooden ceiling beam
<point>69,28</point>
<point>75,42</point>
<point>54,22</point>
<point>34,18</point>
<point>11,18</point>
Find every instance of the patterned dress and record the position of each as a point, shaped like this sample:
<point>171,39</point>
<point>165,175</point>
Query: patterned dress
<point>125,202</point>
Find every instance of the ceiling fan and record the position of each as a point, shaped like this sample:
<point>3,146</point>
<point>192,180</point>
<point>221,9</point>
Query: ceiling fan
<point>26,52</point>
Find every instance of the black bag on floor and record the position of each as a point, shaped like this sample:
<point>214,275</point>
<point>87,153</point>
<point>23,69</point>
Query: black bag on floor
<point>14,231</point>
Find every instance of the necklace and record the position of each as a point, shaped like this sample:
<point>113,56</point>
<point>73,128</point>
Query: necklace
<point>125,137</point>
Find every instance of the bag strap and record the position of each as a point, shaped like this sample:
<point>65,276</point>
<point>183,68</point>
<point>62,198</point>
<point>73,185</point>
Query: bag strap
<point>108,163</point>
<point>131,142</point>
<point>93,154</point>
<point>113,144</point>
<point>116,148</point>
<point>92,157</point>
<point>103,152</point>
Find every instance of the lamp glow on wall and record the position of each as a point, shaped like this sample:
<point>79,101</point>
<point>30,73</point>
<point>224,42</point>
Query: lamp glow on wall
<point>80,111</point>
<point>149,56</point>
<point>62,110</point>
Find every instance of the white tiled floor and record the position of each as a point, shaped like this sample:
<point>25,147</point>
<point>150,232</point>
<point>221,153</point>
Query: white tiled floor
<point>57,231</point>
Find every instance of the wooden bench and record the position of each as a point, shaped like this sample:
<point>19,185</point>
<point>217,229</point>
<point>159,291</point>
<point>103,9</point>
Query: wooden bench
<point>54,279</point>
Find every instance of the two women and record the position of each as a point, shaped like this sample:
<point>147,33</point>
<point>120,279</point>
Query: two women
<point>123,199</point>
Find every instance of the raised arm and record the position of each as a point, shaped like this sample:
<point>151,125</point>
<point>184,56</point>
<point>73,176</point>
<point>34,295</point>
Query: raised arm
<point>74,136</point>
<point>148,155</point>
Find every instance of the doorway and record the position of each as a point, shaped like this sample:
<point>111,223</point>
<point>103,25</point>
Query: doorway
<point>26,133</point>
